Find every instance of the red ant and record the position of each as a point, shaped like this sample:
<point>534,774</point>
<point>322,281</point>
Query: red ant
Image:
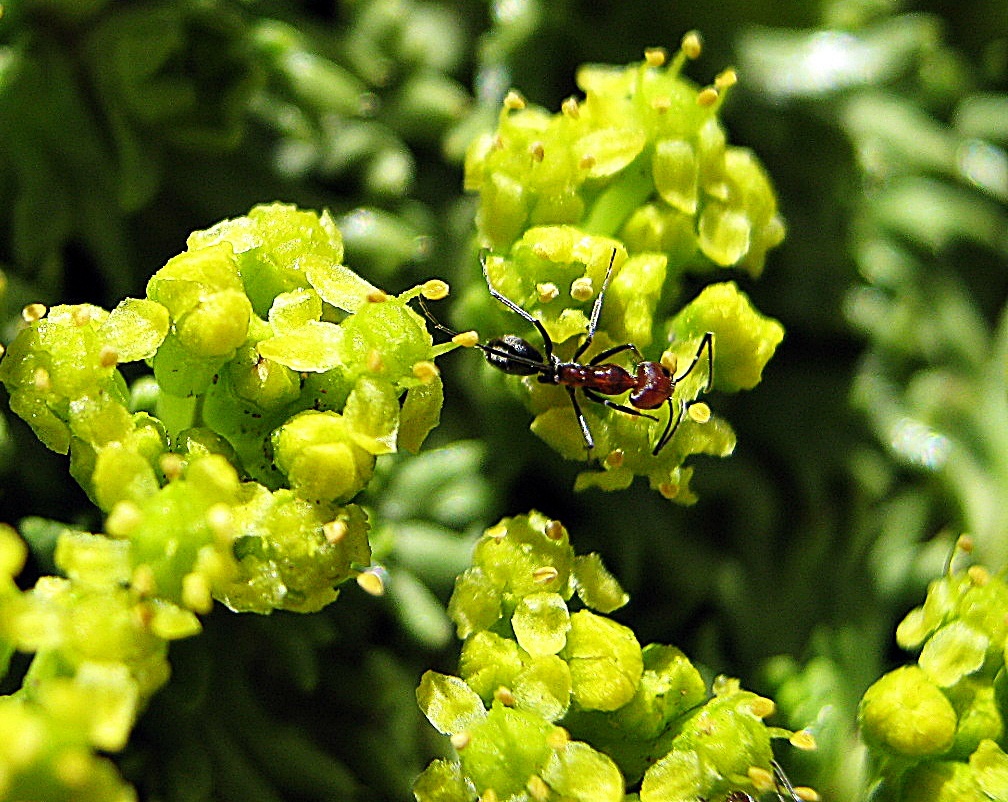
<point>650,385</point>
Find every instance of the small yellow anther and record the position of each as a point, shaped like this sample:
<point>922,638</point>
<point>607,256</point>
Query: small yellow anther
<point>371,583</point>
<point>698,412</point>
<point>965,544</point>
<point>496,532</point>
<point>425,370</point>
<point>460,740</point>
<point>544,575</point>
<point>807,794</point>
<point>725,79</point>
<point>762,779</point>
<point>804,740</point>
<point>582,289</point>
<point>33,312</point>
<point>571,108</point>
<point>505,696</point>
<point>434,289</point>
<point>171,466</point>
<point>554,530</point>
<point>655,56</point>
<point>762,707</point>
<point>586,162</point>
<point>377,296</point>
<point>537,151</point>
<point>81,316</point>
<point>513,101</point>
<point>143,581</point>
<point>335,531</point>
<point>547,291</point>
<point>707,96</point>
<point>669,361</point>
<point>668,490</point>
<point>692,45</point>
<point>375,363</point>
<point>467,339</point>
<point>978,575</point>
<point>614,459</point>
<point>196,593</point>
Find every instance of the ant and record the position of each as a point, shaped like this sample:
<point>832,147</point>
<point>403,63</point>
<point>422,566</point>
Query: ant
<point>650,385</point>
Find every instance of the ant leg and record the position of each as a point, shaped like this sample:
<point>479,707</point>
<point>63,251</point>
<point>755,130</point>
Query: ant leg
<point>589,442</point>
<point>708,343</point>
<point>433,320</point>
<point>596,310</point>
<point>618,349</point>
<point>670,428</point>
<point>591,395</point>
<point>783,783</point>
<point>547,342</point>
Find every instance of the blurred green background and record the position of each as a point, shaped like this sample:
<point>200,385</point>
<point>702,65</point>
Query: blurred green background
<point>878,435</point>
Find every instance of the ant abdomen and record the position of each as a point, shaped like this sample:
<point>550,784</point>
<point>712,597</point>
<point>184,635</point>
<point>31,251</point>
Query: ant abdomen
<point>514,355</point>
<point>653,386</point>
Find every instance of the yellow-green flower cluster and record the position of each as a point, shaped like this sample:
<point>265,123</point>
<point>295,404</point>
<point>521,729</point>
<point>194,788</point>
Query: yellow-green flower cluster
<point>278,374</point>
<point>937,727</point>
<point>100,652</point>
<point>638,173</point>
<point>551,701</point>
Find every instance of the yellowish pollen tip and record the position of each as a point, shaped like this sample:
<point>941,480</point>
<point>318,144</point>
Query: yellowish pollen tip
<point>377,296</point>
<point>513,101</point>
<point>171,466</point>
<point>807,794</point>
<point>661,103</point>
<point>537,788</point>
<point>335,531</point>
<point>725,79</point>
<point>505,696</point>
<point>762,707</point>
<point>762,779</point>
<point>143,581</point>
<point>467,339</point>
<point>571,108</point>
<point>669,361</point>
<point>699,412</point>
<point>614,459</point>
<point>655,56</point>
<point>460,740</point>
<point>375,364</point>
<point>692,45</point>
<point>965,544</point>
<point>33,312</point>
<point>123,518</point>
<point>545,575</point>
<point>554,530</point>
<point>547,291</point>
<point>42,380</point>
<point>804,740</point>
<point>371,583</point>
<point>434,289</point>
<point>707,96</point>
<point>538,151</point>
<point>581,288</point>
<point>587,162</point>
<point>978,575</point>
<point>196,593</point>
<point>425,370</point>
<point>496,532</point>
<point>558,738</point>
<point>668,490</point>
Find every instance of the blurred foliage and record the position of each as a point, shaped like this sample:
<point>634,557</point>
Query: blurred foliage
<point>876,437</point>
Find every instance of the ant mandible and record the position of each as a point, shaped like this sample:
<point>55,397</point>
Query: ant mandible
<point>650,385</point>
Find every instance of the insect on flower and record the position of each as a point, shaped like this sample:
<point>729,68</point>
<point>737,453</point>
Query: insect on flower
<point>786,792</point>
<point>651,384</point>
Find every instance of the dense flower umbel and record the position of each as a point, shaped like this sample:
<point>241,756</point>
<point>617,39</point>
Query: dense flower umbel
<point>278,374</point>
<point>552,702</point>
<point>937,728</point>
<point>641,167</point>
